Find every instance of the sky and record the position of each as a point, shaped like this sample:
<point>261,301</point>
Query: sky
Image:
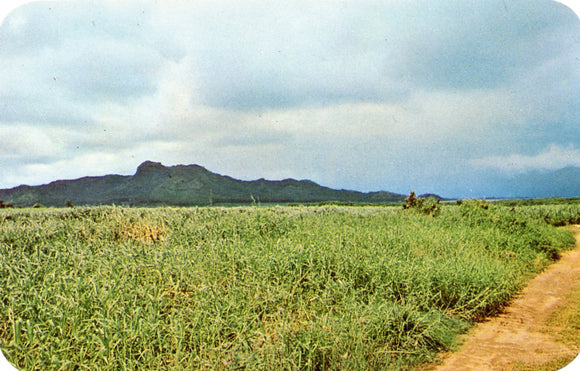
<point>449,97</point>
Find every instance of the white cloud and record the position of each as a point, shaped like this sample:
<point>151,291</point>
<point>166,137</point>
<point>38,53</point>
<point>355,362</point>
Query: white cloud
<point>552,158</point>
<point>572,4</point>
<point>7,6</point>
<point>26,143</point>
<point>71,168</point>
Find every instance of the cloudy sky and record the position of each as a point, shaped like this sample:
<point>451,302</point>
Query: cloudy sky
<point>436,96</point>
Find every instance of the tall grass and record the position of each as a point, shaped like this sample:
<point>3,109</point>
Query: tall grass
<point>258,288</point>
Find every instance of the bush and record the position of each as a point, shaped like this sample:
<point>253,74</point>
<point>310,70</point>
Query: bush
<point>429,206</point>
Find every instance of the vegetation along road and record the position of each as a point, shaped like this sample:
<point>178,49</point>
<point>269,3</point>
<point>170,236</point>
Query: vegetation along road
<point>292,288</point>
<point>539,330</point>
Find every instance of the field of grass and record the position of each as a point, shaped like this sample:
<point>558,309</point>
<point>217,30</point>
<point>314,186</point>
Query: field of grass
<point>327,287</point>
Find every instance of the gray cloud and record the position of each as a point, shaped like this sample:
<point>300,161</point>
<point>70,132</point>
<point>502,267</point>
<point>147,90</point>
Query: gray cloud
<point>476,45</point>
<point>372,52</point>
<point>91,51</point>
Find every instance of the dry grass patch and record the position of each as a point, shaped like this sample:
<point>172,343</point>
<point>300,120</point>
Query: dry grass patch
<point>148,233</point>
<point>564,326</point>
<point>565,322</point>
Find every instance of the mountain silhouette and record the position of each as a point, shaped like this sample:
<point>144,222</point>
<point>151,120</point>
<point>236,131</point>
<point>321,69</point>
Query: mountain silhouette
<point>181,185</point>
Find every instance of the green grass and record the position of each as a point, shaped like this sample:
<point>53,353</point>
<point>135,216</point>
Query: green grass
<point>326,287</point>
<point>568,320</point>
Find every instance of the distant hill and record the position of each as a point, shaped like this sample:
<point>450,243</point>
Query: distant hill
<point>560,183</point>
<point>181,185</point>
<point>563,182</point>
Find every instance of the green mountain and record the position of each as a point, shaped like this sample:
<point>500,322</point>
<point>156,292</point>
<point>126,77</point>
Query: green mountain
<point>181,185</point>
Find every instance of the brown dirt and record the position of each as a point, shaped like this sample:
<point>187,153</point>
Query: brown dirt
<point>519,335</point>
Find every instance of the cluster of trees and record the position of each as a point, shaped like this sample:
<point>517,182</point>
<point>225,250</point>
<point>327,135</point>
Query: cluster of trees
<point>36,206</point>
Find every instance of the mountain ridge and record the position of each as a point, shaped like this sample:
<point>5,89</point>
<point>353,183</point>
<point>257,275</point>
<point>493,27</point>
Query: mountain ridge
<point>181,185</point>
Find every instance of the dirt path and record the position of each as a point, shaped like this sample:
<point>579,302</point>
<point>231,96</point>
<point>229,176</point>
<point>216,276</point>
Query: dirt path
<point>516,335</point>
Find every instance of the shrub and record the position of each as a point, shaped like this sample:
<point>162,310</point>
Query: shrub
<point>429,206</point>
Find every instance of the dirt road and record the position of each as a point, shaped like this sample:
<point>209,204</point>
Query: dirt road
<point>518,336</point>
